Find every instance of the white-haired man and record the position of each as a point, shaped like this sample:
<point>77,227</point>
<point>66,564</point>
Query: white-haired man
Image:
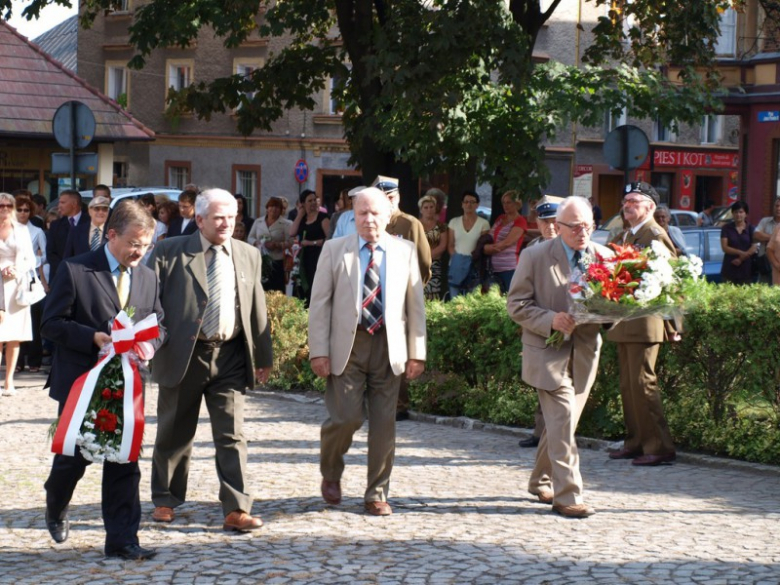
<point>538,300</point>
<point>366,330</point>
<point>219,343</point>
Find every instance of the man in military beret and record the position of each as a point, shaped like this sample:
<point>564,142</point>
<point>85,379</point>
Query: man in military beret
<point>648,440</point>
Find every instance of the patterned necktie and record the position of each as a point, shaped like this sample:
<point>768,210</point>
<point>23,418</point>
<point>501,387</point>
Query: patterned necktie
<point>210,325</point>
<point>94,243</point>
<point>72,222</point>
<point>372,318</point>
<point>122,286</point>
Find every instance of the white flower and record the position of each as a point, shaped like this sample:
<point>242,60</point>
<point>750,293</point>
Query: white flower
<point>661,270</point>
<point>89,425</point>
<point>660,250</point>
<point>648,290</point>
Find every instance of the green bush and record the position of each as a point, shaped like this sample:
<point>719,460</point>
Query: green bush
<point>289,333</point>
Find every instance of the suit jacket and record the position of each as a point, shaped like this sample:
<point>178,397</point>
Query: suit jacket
<point>181,267</point>
<point>539,290</point>
<point>336,298</point>
<point>174,229</point>
<point>82,301</point>
<point>79,239</point>
<point>57,239</point>
<point>646,329</point>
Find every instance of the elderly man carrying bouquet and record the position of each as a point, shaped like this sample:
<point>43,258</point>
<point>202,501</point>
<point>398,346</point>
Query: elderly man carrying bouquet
<point>539,300</point>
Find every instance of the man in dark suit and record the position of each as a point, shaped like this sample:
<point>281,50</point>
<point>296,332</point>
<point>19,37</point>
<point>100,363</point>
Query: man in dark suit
<point>69,208</point>
<point>185,224</point>
<point>90,235</point>
<point>85,296</point>
<point>648,439</point>
<point>219,342</point>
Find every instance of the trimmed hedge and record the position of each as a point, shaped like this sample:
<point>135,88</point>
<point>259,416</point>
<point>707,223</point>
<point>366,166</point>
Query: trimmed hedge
<point>720,384</point>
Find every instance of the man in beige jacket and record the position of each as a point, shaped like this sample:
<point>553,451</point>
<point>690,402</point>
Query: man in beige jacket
<point>366,330</point>
<point>538,300</point>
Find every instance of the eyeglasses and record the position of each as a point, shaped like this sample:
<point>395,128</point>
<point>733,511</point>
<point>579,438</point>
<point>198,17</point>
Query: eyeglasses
<point>139,246</point>
<point>577,228</point>
<point>6,206</point>
<point>23,210</point>
<point>634,201</point>
<point>100,209</point>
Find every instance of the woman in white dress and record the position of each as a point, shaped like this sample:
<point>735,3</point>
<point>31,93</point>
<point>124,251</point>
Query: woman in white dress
<point>16,260</point>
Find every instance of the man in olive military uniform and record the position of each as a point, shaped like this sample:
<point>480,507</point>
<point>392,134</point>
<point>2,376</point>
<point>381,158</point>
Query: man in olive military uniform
<point>648,440</point>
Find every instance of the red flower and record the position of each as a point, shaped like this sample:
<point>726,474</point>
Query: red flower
<point>627,252</point>
<point>106,394</point>
<point>118,395</point>
<point>598,272</point>
<point>105,421</point>
<point>624,277</point>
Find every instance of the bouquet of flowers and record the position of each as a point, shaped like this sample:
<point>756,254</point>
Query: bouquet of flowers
<point>104,413</point>
<point>631,284</point>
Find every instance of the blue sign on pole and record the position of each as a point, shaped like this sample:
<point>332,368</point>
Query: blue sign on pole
<point>301,171</point>
<point>769,116</point>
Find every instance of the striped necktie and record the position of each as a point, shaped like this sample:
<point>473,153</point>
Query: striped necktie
<point>94,242</point>
<point>210,325</point>
<point>372,318</point>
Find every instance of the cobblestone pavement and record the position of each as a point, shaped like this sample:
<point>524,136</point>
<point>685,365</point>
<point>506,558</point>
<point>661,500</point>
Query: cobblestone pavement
<point>462,514</point>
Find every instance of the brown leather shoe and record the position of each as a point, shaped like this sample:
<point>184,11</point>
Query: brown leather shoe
<point>378,508</point>
<point>240,521</point>
<point>624,454</point>
<point>331,492</point>
<point>544,495</point>
<point>653,460</point>
<point>574,511</point>
<point>163,514</point>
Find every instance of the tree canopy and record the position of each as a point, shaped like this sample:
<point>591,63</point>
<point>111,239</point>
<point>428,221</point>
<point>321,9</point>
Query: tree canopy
<point>441,85</point>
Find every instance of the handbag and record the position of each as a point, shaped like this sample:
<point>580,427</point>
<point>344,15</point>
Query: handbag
<point>460,269</point>
<point>30,290</point>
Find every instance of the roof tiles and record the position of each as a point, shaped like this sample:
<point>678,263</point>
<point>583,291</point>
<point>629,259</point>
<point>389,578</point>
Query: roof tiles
<point>33,85</point>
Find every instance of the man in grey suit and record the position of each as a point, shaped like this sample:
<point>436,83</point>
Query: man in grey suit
<point>218,344</point>
<point>538,300</point>
<point>366,330</point>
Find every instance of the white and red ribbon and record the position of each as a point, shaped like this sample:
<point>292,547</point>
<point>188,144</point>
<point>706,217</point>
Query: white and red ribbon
<point>125,337</point>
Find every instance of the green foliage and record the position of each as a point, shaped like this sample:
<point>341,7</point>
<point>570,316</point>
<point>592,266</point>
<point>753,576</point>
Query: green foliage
<point>442,84</point>
<point>288,320</point>
<point>720,385</point>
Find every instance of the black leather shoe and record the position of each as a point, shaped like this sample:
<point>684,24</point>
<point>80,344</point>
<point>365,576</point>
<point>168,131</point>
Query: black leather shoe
<point>529,442</point>
<point>59,529</point>
<point>131,552</point>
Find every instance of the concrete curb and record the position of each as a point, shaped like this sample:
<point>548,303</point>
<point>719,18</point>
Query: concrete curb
<point>462,422</point>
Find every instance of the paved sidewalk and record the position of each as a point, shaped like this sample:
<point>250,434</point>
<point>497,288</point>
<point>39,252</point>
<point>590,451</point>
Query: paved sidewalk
<point>462,514</point>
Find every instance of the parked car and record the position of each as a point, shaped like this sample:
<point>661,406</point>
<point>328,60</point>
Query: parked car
<point>484,212</point>
<point>705,243</point>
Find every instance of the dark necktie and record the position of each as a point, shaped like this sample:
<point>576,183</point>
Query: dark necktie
<point>72,222</point>
<point>372,318</point>
<point>576,257</point>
